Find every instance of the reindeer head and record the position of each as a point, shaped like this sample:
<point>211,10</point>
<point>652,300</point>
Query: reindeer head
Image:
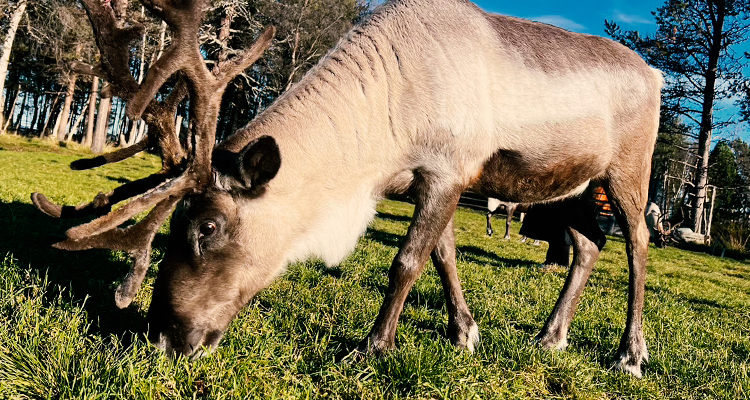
<point>182,317</point>
<point>215,261</point>
<point>665,231</point>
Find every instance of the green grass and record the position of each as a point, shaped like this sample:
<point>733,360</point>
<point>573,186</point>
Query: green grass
<point>61,335</point>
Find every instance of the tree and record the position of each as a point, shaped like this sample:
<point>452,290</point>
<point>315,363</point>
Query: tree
<point>694,45</point>
<point>671,164</point>
<point>89,136</point>
<point>10,37</point>
<point>55,35</point>
<point>306,29</point>
<point>724,176</point>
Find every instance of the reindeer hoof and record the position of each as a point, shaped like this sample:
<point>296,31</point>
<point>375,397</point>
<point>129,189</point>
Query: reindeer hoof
<point>632,353</point>
<point>466,338</point>
<point>551,342</point>
<point>629,366</point>
<point>353,357</point>
<point>366,348</point>
<point>631,363</point>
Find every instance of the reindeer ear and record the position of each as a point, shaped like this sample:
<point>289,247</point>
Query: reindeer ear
<point>259,162</point>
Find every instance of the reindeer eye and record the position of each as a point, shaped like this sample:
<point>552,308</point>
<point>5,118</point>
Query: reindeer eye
<point>207,228</point>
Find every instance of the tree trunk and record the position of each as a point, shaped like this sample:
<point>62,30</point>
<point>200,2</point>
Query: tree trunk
<point>122,127</point>
<point>88,139</point>
<point>15,20</point>
<point>52,114</point>
<point>102,123</point>
<point>12,108</point>
<point>178,125</point>
<point>35,102</point>
<point>74,129</point>
<point>711,212</point>
<point>41,122</point>
<point>57,123</point>
<point>10,99</point>
<point>141,131</point>
<point>17,123</point>
<point>706,125</point>
<point>63,128</point>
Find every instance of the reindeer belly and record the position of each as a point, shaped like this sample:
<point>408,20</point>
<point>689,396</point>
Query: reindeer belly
<point>510,176</point>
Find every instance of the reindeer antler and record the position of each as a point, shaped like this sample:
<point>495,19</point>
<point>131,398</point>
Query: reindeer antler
<point>186,167</point>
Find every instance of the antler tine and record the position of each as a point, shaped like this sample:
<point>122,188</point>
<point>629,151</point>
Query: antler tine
<point>159,117</point>
<point>184,18</point>
<point>175,187</point>
<point>181,173</point>
<point>136,240</point>
<point>102,202</point>
<point>228,70</point>
<point>113,39</point>
<point>671,229</point>
<point>109,158</point>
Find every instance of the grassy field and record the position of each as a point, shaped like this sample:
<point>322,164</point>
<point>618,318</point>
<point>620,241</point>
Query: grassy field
<point>62,337</point>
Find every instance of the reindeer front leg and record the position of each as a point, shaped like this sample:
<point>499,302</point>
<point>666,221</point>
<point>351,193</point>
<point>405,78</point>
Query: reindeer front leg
<point>580,216</point>
<point>555,332</point>
<point>509,210</point>
<point>489,223</point>
<point>462,330</point>
<point>436,199</point>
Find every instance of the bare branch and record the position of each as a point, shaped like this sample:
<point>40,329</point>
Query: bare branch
<point>235,66</point>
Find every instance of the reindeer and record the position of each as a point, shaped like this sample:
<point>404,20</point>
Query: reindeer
<point>429,97</point>
<point>510,208</point>
<point>660,230</point>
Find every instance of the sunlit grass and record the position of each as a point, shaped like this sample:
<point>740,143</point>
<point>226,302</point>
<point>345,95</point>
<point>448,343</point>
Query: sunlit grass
<point>61,335</point>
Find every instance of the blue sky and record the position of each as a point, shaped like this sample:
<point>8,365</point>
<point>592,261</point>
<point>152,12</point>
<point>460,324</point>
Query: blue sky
<point>581,16</point>
<point>588,17</point>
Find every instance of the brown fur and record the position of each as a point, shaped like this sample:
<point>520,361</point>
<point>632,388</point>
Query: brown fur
<point>539,46</point>
<point>507,176</point>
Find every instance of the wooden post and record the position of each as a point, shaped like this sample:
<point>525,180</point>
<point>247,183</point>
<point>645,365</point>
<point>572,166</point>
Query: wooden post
<point>711,213</point>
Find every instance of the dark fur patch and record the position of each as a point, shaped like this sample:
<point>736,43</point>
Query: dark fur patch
<point>508,176</point>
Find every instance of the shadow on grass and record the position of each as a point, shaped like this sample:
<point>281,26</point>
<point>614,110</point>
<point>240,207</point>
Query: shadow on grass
<point>119,180</point>
<point>481,256</point>
<point>467,253</point>
<point>393,217</point>
<point>90,275</point>
<point>385,238</point>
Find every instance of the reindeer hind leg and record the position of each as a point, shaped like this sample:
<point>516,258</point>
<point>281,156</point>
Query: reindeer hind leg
<point>462,330</point>
<point>629,205</point>
<point>588,240</point>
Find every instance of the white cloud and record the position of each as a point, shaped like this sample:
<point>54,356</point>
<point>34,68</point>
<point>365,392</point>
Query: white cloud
<point>559,20</point>
<point>632,19</point>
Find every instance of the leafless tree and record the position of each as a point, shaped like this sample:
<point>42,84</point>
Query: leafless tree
<point>10,36</point>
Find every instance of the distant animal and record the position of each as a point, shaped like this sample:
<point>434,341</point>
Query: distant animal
<point>653,222</point>
<point>660,230</point>
<point>510,208</point>
<point>429,97</point>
